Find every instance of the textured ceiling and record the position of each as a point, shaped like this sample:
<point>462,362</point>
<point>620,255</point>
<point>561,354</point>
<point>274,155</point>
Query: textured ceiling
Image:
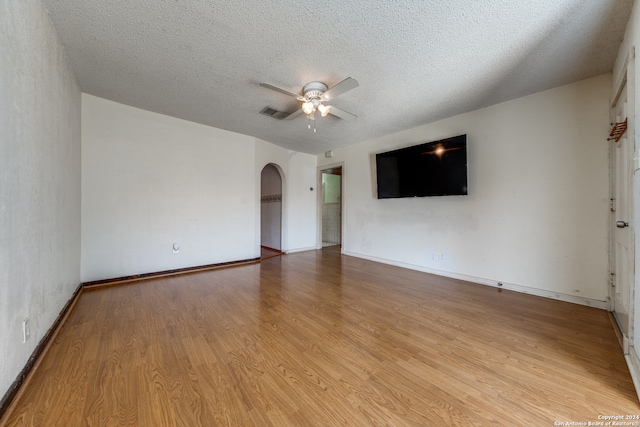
<point>416,60</point>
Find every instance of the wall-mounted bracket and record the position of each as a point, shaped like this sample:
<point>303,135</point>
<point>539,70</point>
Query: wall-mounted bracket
<point>617,130</point>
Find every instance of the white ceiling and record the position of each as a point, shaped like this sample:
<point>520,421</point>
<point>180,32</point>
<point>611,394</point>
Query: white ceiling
<point>416,60</point>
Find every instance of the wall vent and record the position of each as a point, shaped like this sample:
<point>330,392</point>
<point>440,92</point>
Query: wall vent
<point>272,112</point>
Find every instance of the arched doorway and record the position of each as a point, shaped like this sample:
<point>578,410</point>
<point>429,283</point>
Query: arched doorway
<point>270,211</point>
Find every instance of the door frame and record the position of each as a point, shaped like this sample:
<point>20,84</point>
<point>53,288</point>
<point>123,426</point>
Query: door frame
<point>282,217</point>
<point>319,203</point>
<point>624,84</point>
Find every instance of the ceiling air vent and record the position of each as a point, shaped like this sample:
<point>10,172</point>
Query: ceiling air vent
<point>272,112</point>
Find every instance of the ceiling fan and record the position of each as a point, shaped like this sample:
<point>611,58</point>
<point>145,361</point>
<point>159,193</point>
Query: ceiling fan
<point>316,95</point>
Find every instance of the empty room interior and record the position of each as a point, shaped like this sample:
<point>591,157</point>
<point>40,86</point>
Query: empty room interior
<point>281,213</point>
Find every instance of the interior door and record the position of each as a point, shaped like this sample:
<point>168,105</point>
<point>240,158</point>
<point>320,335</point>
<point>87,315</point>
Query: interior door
<point>620,233</point>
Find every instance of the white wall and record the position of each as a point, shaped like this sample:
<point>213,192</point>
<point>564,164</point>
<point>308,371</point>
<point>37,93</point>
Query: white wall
<point>150,180</point>
<point>298,171</point>
<point>302,202</point>
<point>40,181</point>
<point>536,217</point>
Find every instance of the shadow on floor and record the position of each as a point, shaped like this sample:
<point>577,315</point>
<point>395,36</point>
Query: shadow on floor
<point>266,253</point>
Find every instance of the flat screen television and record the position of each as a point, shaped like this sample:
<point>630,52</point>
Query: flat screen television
<point>437,168</point>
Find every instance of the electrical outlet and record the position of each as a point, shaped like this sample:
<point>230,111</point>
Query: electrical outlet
<point>25,330</point>
<point>438,256</point>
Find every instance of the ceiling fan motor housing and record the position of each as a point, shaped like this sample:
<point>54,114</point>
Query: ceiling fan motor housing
<point>314,90</point>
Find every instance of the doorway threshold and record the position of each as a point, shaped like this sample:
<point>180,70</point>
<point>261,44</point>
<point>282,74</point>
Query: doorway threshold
<point>266,252</point>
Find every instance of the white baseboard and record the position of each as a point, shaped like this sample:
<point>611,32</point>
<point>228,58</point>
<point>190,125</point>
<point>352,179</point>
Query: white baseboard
<point>633,362</point>
<point>489,282</point>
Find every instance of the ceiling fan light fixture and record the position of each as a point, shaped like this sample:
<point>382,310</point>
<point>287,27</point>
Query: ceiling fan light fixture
<point>324,110</point>
<point>308,107</point>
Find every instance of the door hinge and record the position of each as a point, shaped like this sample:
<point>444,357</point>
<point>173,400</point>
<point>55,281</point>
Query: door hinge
<point>612,280</point>
<point>612,204</point>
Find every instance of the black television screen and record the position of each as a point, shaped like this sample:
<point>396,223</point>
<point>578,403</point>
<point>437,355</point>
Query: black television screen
<point>436,168</point>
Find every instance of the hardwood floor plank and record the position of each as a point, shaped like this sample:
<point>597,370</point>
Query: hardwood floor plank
<point>322,339</point>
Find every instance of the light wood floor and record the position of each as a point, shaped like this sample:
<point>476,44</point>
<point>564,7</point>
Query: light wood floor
<point>320,339</point>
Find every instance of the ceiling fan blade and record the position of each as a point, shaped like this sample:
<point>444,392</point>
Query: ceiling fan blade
<point>294,114</point>
<point>342,114</point>
<point>340,88</point>
<point>277,89</point>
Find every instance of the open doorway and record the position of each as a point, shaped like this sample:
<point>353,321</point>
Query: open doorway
<point>270,212</point>
<point>332,206</point>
